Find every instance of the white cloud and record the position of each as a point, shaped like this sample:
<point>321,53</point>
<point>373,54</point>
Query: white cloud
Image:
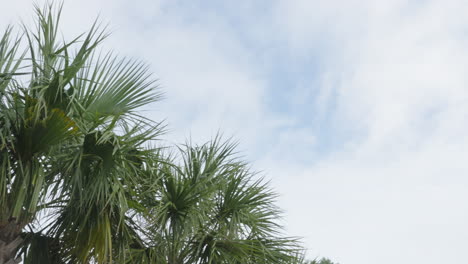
<point>395,193</point>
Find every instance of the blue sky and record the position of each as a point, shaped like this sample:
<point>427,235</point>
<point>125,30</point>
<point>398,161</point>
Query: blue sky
<point>356,110</point>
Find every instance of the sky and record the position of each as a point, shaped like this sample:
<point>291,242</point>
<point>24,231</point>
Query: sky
<point>356,111</point>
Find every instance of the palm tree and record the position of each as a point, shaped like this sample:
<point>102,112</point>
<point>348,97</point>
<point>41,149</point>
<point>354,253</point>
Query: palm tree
<point>321,261</point>
<point>80,182</point>
<point>72,148</point>
<point>212,209</point>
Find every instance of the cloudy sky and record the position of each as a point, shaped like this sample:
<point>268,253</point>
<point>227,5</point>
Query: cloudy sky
<point>356,110</point>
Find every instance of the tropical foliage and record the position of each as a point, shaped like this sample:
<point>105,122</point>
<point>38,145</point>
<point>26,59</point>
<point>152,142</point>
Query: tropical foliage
<point>83,181</point>
<point>211,209</point>
<point>321,261</point>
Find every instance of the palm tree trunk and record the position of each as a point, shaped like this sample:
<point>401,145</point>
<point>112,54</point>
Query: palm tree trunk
<point>10,239</point>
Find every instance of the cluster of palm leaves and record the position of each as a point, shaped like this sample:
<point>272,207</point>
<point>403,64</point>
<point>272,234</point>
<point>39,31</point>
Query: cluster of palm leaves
<point>83,180</point>
<point>321,261</point>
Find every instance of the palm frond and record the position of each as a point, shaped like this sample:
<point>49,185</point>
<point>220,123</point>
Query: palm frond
<point>10,62</point>
<point>113,88</point>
